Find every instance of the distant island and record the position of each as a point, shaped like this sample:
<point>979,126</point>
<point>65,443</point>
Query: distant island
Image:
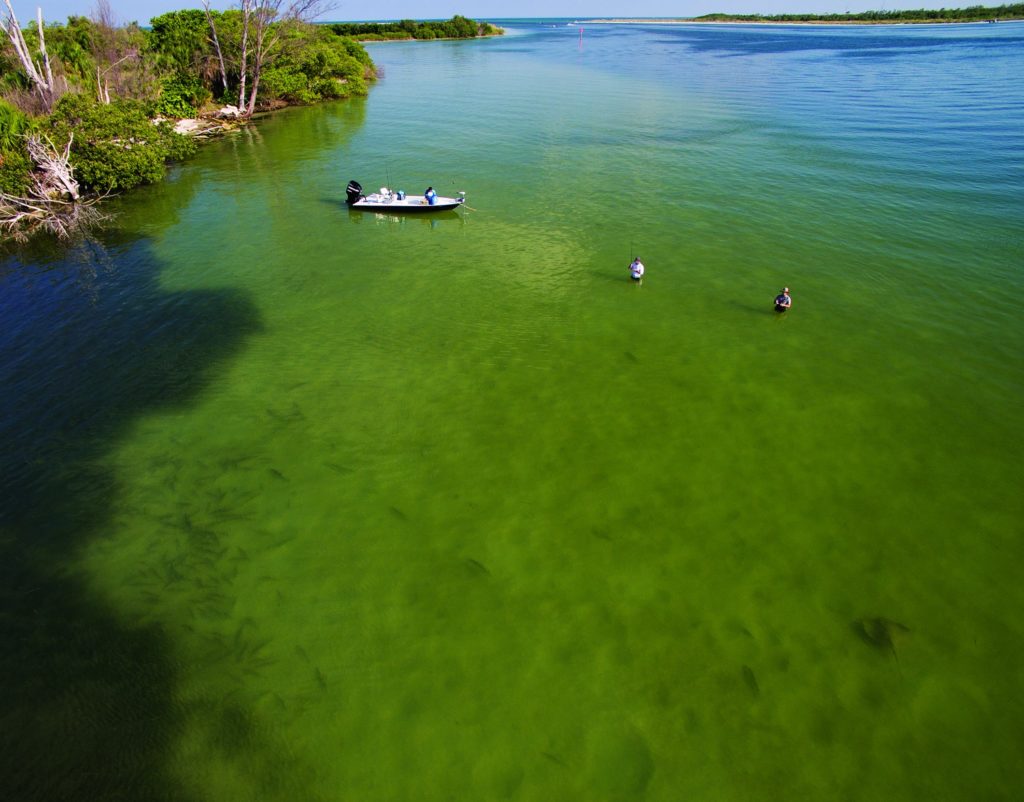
<point>919,16</point>
<point>458,27</point>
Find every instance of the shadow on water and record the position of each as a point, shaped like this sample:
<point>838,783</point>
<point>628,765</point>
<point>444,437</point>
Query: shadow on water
<point>89,343</point>
<point>764,310</point>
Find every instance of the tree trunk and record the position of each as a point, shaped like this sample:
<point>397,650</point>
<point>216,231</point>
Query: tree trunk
<point>267,18</point>
<point>246,13</point>
<point>255,88</point>
<point>216,44</point>
<point>44,86</point>
<point>42,49</point>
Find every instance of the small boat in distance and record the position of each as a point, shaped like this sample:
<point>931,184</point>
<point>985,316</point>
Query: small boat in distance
<point>387,200</point>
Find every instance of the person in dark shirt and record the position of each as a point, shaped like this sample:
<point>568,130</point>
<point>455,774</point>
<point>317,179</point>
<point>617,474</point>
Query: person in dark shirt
<point>783,301</point>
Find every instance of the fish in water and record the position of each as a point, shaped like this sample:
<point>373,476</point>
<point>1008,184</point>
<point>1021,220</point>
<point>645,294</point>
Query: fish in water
<point>288,416</point>
<point>478,566</point>
<point>554,759</point>
<point>751,680</point>
<point>880,633</point>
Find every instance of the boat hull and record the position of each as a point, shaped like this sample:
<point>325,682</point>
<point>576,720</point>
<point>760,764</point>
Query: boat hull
<point>411,204</point>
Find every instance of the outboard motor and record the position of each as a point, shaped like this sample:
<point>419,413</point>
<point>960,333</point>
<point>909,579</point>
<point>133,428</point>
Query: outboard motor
<point>354,192</point>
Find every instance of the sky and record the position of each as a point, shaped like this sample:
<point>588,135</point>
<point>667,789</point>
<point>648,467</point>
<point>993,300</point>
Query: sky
<point>143,10</point>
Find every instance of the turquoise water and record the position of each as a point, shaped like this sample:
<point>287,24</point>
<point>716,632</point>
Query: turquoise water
<point>300,503</point>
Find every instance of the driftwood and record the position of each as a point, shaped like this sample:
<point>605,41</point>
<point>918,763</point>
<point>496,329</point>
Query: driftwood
<point>54,177</point>
<point>53,202</point>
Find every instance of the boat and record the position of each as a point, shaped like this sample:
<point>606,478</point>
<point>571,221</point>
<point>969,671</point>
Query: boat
<point>388,200</point>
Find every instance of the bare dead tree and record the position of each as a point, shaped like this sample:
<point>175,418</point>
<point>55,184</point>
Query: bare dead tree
<point>104,47</point>
<point>104,22</point>
<point>40,76</point>
<point>216,44</point>
<point>102,84</point>
<point>267,21</point>
<point>246,7</point>
<point>53,202</point>
<point>116,49</point>
<point>42,49</point>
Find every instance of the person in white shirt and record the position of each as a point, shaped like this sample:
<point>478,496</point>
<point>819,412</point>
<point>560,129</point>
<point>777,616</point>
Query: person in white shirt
<point>636,269</point>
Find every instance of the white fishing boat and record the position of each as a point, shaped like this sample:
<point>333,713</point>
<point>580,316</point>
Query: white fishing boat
<point>388,200</point>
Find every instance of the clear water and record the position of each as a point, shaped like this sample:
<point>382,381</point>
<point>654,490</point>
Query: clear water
<point>299,503</point>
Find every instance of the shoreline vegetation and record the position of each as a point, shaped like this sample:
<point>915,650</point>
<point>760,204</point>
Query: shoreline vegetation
<point>973,14</point>
<point>93,107</point>
<point>458,27</point>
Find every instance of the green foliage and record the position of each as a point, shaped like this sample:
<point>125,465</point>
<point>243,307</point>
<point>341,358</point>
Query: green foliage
<point>13,127</point>
<point>15,167</point>
<point>72,45</point>
<point>356,51</point>
<point>330,60</point>
<point>458,27</point>
<point>181,95</point>
<point>115,145</point>
<point>972,14</point>
<point>178,146</point>
<point>317,65</point>
<point>179,40</point>
<point>15,164</point>
<point>286,83</point>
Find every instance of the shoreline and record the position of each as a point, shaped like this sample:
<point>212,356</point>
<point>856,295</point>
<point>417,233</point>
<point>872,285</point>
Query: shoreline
<point>436,39</point>
<point>681,21</point>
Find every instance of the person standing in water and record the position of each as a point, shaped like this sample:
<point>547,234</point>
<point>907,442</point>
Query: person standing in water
<point>636,269</point>
<point>783,301</point>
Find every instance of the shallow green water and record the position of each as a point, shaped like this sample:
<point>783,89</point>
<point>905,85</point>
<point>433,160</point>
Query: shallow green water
<point>307,504</point>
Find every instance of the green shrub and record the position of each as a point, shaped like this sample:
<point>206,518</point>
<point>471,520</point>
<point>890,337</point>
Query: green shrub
<point>72,44</point>
<point>284,83</point>
<point>15,164</point>
<point>181,96</point>
<point>13,127</point>
<point>15,170</point>
<point>179,39</point>
<point>115,146</point>
<point>321,69</point>
<point>178,146</point>
<point>356,51</point>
